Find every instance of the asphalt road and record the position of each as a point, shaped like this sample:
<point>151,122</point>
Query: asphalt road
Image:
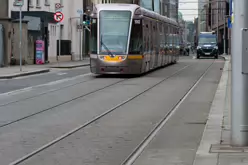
<point>101,121</point>
<point>34,80</point>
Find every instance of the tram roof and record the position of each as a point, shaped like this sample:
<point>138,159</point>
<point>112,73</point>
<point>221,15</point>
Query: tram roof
<point>133,8</point>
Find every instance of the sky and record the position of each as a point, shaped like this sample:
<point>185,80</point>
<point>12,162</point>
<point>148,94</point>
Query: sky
<point>189,9</point>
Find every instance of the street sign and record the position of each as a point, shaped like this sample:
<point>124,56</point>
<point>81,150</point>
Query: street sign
<point>58,16</point>
<point>58,6</point>
<point>19,2</point>
<point>80,11</point>
<point>79,27</point>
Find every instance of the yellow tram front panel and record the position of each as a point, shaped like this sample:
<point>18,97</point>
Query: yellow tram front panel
<point>116,58</point>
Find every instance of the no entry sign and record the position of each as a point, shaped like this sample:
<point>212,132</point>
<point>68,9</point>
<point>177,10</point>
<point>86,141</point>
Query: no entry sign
<point>58,16</point>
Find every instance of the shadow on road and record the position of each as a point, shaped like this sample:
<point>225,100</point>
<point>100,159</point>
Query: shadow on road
<point>126,76</point>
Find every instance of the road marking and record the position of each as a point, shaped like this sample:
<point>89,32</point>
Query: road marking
<point>11,93</point>
<point>60,74</point>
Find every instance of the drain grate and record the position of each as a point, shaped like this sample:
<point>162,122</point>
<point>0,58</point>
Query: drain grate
<point>221,148</point>
<point>198,123</point>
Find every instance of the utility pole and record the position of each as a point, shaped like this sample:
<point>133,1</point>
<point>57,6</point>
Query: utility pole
<point>20,38</point>
<point>224,53</point>
<point>239,103</point>
<point>211,15</point>
<point>20,4</point>
<point>83,33</point>
<point>218,22</point>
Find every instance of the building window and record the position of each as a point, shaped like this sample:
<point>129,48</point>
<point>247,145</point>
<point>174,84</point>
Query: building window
<point>47,2</point>
<point>38,3</point>
<point>30,2</point>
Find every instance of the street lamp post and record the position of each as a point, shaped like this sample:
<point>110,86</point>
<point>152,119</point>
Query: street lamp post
<point>239,103</point>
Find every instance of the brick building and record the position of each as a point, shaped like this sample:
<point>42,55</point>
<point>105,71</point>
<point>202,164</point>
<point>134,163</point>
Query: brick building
<point>218,14</point>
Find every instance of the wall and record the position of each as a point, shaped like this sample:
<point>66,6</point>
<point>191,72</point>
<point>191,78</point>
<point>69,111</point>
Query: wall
<point>33,6</point>
<point>70,22</point>
<point>69,28</point>
<point>16,42</point>
<point>52,48</point>
<point>218,15</point>
<point>3,8</point>
<point>7,39</point>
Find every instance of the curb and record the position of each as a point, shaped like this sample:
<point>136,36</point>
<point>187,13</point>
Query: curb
<point>24,74</point>
<point>226,57</point>
<point>213,128</point>
<point>69,67</point>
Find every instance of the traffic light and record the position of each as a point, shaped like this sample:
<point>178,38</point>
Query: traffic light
<point>86,20</point>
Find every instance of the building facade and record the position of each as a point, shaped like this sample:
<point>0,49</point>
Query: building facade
<point>183,31</point>
<point>41,25</point>
<point>219,22</point>
<point>202,15</point>
<point>191,28</point>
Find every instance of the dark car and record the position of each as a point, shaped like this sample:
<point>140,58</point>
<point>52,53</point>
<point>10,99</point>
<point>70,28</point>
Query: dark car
<point>207,45</point>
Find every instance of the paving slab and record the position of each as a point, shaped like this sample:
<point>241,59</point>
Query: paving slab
<point>13,72</point>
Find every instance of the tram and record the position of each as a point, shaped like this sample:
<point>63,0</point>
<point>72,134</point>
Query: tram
<point>128,39</point>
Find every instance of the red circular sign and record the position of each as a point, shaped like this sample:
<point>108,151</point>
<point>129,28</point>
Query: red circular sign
<point>58,16</point>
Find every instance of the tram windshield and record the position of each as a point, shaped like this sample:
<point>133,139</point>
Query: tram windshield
<point>114,31</point>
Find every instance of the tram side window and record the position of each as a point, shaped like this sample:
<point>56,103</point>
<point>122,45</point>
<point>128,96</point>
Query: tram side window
<point>165,34</point>
<point>93,40</point>
<point>169,36</point>
<point>136,45</point>
<point>161,36</point>
<point>154,32</point>
<point>145,34</point>
<point>173,36</point>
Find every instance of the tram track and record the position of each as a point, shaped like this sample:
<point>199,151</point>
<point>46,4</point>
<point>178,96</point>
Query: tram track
<point>54,90</point>
<point>130,160</point>
<point>60,104</point>
<point>44,147</point>
<point>47,92</point>
<point>57,105</point>
<point>50,91</point>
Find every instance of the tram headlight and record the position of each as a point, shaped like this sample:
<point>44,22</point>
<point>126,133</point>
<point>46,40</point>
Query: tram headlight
<point>121,57</point>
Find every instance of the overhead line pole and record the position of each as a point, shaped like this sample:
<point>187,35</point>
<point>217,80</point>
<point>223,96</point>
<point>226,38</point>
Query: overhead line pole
<point>239,87</point>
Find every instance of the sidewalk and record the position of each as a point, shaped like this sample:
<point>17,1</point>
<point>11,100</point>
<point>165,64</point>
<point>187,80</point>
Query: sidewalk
<point>14,71</point>
<point>70,65</point>
<point>215,146</point>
